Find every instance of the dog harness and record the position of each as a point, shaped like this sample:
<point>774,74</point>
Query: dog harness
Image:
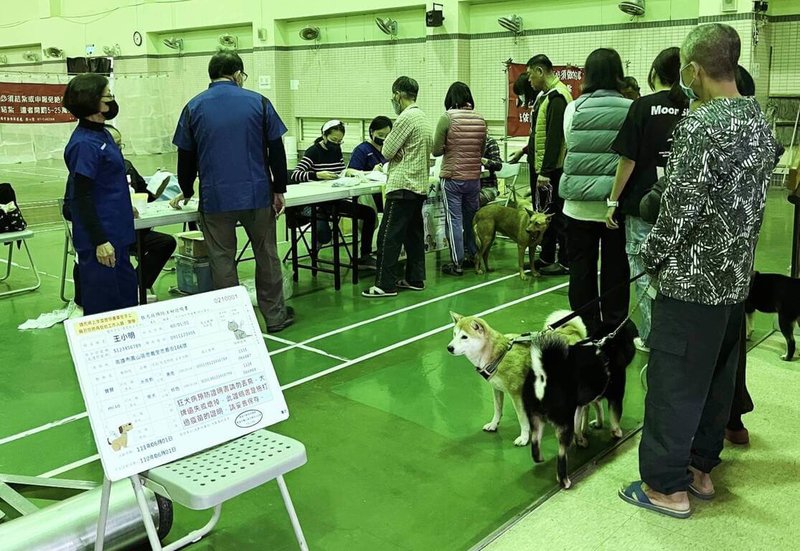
<point>491,368</point>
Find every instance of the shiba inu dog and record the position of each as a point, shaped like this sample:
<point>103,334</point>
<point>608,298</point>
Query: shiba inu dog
<point>521,224</point>
<point>504,361</point>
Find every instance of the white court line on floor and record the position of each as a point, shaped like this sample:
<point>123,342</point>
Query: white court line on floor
<point>15,265</point>
<point>42,428</point>
<point>348,363</point>
<point>399,311</point>
<point>301,347</point>
<point>415,338</point>
<point>70,466</point>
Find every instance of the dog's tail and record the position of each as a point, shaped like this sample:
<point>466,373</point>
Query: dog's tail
<point>574,329</point>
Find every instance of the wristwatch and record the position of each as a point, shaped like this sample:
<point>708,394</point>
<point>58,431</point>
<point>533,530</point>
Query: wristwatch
<point>610,203</point>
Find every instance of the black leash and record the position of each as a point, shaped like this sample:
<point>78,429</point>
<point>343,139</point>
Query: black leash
<point>591,303</point>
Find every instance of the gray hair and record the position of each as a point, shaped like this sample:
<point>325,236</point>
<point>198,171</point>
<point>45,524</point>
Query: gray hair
<point>715,47</point>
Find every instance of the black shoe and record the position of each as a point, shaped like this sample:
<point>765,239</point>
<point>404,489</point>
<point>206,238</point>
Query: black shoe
<point>468,263</point>
<point>289,320</point>
<point>367,263</point>
<point>553,269</point>
<point>539,264</point>
<point>452,269</point>
<point>411,285</point>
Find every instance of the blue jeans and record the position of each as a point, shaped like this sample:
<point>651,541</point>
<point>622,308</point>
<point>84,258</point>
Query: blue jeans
<point>636,230</point>
<point>462,200</point>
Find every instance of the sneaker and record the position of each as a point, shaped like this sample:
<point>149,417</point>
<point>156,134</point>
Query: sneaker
<point>640,345</point>
<point>553,269</point>
<point>452,269</point>
<point>411,285</point>
<point>289,320</point>
<point>377,292</point>
<point>367,263</point>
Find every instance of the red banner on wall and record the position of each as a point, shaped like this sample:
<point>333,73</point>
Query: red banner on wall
<point>519,111</point>
<point>32,103</point>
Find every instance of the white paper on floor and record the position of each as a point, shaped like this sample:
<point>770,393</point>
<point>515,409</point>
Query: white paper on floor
<point>49,319</point>
<point>288,287</point>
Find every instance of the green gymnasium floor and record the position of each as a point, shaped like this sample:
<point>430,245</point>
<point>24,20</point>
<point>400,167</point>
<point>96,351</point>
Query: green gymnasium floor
<point>392,423</point>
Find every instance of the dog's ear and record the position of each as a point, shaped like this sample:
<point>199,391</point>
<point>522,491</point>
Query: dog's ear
<point>477,325</point>
<point>121,428</point>
<point>455,317</point>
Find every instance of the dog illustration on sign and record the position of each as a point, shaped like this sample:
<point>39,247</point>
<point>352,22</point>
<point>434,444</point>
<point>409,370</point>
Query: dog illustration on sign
<point>239,333</point>
<point>121,441</point>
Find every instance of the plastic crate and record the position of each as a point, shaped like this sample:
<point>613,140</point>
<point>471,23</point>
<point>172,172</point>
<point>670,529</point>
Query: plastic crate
<point>194,274</point>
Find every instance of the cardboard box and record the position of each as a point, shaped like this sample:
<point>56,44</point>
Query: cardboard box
<point>191,244</point>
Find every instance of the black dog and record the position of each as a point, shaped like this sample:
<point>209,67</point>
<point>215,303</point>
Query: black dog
<point>771,293</point>
<point>620,351</point>
<point>565,378</point>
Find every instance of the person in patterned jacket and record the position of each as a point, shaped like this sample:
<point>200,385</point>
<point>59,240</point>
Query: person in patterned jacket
<point>700,251</point>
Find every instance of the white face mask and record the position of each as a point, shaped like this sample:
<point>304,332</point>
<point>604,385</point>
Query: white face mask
<point>396,106</point>
<point>687,88</point>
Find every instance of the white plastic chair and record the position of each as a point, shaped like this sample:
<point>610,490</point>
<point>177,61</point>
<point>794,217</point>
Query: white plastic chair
<point>9,240</point>
<point>509,173</point>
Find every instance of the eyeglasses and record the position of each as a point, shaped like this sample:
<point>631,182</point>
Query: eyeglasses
<point>108,97</point>
<point>244,76</point>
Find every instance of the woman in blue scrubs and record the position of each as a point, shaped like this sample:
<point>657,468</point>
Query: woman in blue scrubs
<point>98,199</point>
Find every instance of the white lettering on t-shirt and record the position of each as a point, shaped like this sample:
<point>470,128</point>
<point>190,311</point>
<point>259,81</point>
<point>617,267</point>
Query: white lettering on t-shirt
<point>664,110</point>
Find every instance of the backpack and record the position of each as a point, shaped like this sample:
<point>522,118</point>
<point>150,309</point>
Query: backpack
<point>11,219</point>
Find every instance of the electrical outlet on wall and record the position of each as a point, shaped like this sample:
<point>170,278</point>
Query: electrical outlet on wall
<point>265,82</point>
<point>89,49</point>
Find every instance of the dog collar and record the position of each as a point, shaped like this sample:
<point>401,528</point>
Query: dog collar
<point>488,371</point>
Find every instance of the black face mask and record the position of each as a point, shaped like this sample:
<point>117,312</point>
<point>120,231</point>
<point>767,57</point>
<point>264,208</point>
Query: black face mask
<point>113,110</point>
<point>333,146</point>
<point>378,141</point>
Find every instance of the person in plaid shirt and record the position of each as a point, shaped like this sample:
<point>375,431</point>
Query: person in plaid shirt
<point>407,149</point>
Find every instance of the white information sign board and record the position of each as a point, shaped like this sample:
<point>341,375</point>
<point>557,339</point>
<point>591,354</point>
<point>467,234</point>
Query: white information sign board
<point>166,380</point>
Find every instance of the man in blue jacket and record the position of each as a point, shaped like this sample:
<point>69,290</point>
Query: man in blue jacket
<point>232,138</point>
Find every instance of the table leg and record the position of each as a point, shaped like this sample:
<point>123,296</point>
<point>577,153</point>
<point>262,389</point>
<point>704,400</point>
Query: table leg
<point>295,269</point>
<point>337,264</point>
<point>139,270</point>
<point>355,253</point>
<point>314,248</point>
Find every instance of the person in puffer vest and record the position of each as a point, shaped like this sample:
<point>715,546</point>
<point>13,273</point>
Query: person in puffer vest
<point>460,137</point>
<point>591,124</point>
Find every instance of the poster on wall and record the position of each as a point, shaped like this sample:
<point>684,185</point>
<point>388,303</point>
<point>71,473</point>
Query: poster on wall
<point>519,112</point>
<point>26,103</point>
<point>165,380</point>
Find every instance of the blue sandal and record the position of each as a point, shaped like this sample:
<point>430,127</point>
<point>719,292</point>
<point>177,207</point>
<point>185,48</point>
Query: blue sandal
<point>635,495</point>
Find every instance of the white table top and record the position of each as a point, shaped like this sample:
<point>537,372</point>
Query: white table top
<point>160,213</point>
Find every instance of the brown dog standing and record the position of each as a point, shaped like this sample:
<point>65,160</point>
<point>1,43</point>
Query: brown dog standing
<point>522,224</point>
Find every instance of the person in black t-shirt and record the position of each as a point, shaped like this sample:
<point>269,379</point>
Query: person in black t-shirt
<point>643,144</point>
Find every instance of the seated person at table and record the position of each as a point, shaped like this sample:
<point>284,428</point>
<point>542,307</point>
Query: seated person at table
<point>492,162</point>
<point>157,248</point>
<point>324,161</point>
<point>367,156</point>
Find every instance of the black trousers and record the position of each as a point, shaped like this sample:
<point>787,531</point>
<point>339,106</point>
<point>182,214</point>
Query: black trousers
<point>401,226</point>
<point>691,374</point>
<point>588,242</point>
<point>157,248</point>
<point>368,218</point>
<point>556,234</point>
<point>742,402</point>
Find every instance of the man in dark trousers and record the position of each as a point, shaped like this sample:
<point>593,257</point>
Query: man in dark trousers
<point>701,251</point>
<point>546,151</point>
<point>231,137</point>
